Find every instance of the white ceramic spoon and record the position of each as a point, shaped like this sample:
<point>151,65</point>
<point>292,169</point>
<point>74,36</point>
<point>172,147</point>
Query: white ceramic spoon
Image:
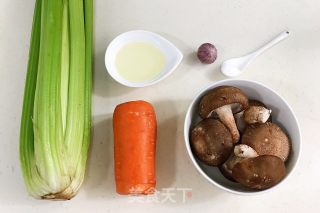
<point>235,66</point>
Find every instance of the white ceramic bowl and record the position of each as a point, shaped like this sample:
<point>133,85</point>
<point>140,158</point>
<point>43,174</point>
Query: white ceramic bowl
<point>172,54</point>
<point>282,114</point>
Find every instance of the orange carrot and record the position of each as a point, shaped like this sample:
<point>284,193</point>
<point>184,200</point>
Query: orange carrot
<point>135,132</point>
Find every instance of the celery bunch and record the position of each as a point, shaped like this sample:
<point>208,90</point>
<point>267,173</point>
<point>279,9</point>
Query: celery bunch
<point>56,115</point>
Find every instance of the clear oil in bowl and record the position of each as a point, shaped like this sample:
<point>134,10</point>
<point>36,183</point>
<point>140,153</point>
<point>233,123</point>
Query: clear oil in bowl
<point>140,61</point>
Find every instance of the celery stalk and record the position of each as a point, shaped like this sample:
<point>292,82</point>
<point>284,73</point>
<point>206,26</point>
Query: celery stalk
<point>56,115</point>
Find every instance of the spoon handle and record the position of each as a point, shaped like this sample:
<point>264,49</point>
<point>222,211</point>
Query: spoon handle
<point>271,43</point>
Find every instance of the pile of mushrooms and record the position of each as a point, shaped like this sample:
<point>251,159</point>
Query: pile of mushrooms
<point>238,136</point>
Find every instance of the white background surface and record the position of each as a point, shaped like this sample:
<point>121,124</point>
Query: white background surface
<point>235,27</point>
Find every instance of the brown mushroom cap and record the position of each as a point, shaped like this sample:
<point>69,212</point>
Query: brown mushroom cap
<point>261,172</point>
<point>267,139</point>
<point>221,96</point>
<point>211,142</point>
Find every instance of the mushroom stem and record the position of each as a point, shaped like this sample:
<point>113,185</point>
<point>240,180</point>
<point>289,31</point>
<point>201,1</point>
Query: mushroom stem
<point>226,116</point>
<point>244,151</point>
<point>256,114</point>
<point>241,125</point>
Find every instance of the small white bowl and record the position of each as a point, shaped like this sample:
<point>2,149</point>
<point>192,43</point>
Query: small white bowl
<point>172,54</point>
<point>282,114</point>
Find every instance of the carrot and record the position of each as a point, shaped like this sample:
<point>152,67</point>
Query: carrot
<point>135,132</point>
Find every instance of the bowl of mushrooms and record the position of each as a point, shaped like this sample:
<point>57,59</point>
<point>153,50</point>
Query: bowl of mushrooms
<point>242,136</point>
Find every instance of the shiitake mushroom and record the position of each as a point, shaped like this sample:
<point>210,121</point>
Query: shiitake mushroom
<point>240,153</point>
<point>257,112</point>
<point>211,142</point>
<point>267,139</point>
<point>223,102</point>
<point>261,172</point>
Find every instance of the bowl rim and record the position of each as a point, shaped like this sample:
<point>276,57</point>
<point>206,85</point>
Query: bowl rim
<point>168,72</point>
<point>191,156</point>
